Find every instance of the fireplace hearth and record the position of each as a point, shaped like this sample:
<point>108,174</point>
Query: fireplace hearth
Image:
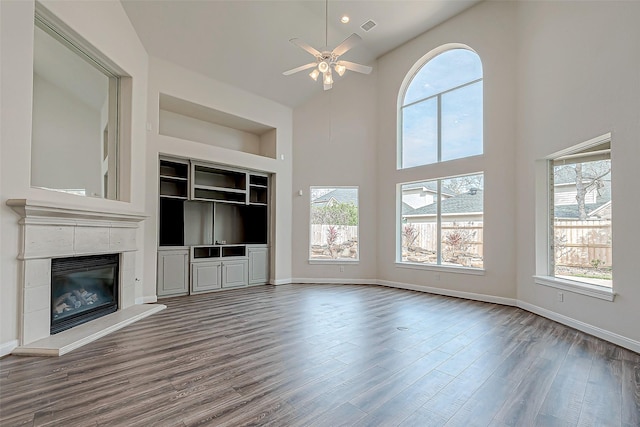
<point>82,289</point>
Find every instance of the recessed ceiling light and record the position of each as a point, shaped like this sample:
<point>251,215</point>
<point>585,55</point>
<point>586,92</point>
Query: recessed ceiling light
<point>344,19</point>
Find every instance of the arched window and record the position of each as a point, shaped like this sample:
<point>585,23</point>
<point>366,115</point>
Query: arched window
<point>441,109</point>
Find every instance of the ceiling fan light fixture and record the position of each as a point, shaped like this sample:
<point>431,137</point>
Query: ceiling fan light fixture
<point>340,69</point>
<point>323,66</point>
<point>328,78</point>
<point>314,74</point>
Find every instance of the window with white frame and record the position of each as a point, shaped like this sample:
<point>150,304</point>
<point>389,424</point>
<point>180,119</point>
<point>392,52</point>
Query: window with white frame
<point>440,113</point>
<point>442,221</point>
<point>580,217</point>
<point>334,224</point>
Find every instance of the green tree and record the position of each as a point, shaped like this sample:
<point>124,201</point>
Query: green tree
<point>335,214</point>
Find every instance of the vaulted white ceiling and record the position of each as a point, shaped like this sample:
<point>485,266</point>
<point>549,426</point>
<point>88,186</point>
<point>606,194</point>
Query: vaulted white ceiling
<point>246,43</point>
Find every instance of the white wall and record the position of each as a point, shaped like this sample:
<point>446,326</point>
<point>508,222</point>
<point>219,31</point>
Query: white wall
<point>489,29</point>
<point>578,78</point>
<point>95,21</point>
<point>67,132</point>
<point>335,145</point>
<point>173,80</point>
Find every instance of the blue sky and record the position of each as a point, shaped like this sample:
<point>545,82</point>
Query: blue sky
<point>461,115</point>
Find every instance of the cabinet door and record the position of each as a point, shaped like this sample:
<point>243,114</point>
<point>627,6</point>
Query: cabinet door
<point>235,273</point>
<point>173,272</point>
<point>258,266</point>
<point>205,276</point>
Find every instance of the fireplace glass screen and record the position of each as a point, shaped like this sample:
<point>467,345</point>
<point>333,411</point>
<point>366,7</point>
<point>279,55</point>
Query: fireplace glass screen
<point>82,289</point>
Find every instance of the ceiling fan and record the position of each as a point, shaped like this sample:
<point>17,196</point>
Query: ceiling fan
<point>327,60</point>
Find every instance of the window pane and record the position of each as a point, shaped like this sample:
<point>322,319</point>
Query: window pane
<point>462,221</point>
<point>462,122</point>
<point>419,222</point>
<point>420,134</point>
<point>334,224</point>
<point>448,70</point>
<point>456,237</point>
<point>582,221</point>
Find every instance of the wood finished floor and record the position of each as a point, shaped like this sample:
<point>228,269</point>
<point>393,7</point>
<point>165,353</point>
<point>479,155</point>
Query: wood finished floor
<point>329,355</point>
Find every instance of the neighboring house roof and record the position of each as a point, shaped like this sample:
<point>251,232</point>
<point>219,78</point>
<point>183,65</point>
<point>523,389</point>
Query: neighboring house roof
<point>571,211</point>
<point>428,186</point>
<point>339,195</point>
<point>470,202</point>
<point>406,208</point>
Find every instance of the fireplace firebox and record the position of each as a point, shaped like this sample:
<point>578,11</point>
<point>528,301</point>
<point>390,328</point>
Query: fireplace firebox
<point>82,289</point>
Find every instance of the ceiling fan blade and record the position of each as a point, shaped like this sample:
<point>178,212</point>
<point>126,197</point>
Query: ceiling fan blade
<point>306,46</point>
<point>300,68</point>
<point>347,44</point>
<point>364,69</point>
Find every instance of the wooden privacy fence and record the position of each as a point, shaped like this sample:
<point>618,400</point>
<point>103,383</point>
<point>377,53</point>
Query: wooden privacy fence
<point>345,234</point>
<point>427,235</point>
<point>583,243</point>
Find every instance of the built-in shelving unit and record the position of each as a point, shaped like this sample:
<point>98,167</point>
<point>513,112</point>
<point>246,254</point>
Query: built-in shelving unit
<point>213,227</point>
<point>174,179</point>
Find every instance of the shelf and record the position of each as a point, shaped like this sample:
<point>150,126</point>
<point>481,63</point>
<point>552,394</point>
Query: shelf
<point>173,178</point>
<point>233,251</point>
<point>173,188</point>
<point>258,195</point>
<point>165,196</point>
<point>223,189</point>
<point>219,196</point>
<point>220,178</point>
<point>177,170</point>
<point>258,180</point>
<point>206,252</point>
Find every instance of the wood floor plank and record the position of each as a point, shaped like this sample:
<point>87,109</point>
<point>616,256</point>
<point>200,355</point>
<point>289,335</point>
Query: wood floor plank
<point>329,355</point>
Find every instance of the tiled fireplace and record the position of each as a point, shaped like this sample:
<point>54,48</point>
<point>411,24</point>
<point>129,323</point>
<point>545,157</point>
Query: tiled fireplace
<point>48,231</point>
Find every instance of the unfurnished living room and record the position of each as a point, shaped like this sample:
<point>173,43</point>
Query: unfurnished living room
<point>319,213</point>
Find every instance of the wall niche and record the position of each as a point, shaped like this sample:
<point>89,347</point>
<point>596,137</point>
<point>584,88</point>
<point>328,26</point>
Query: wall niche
<point>186,120</point>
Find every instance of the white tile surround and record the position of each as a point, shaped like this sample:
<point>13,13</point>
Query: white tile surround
<point>49,230</point>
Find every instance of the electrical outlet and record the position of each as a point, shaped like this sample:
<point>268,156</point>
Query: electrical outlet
<point>342,269</point>
<point>560,296</point>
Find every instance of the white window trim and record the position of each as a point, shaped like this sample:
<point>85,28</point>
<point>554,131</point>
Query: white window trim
<point>337,260</point>
<point>443,268</point>
<point>543,229</point>
<point>581,288</point>
<point>422,266</point>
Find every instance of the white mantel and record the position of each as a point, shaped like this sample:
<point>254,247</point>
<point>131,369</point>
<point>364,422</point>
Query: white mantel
<point>50,230</point>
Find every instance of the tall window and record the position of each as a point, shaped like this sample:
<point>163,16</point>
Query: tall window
<point>334,224</point>
<point>442,222</point>
<point>581,217</point>
<point>441,110</point>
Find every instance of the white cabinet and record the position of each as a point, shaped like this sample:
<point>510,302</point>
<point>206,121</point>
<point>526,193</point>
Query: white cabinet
<point>173,272</point>
<point>235,273</point>
<point>258,265</point>
<point>210,276</point>
<point>206,276</point>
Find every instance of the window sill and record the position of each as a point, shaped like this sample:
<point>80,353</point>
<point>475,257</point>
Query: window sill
<point>576,287</point>
<point>443,268</point>
<point>334,261</point>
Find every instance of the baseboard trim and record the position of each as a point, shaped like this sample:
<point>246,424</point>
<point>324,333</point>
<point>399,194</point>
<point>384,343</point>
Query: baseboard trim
<point>612,337</point>
<point>306,280</point>
<point>281,282</point>
<point>147,300</point>
<point>7,347</point>
<point>450,293</point>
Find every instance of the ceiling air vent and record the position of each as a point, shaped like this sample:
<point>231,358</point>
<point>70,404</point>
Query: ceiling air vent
<point>368,25</point>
